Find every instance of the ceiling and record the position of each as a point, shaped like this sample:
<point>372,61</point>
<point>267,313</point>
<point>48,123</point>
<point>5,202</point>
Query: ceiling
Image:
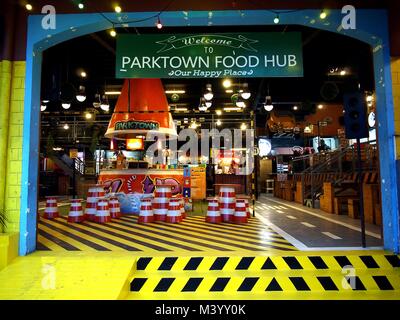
<point>95,54</point>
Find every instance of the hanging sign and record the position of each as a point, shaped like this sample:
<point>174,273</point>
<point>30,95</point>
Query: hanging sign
<point>260,54</point>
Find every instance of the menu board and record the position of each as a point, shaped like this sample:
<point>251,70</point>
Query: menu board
<point>198,183</point>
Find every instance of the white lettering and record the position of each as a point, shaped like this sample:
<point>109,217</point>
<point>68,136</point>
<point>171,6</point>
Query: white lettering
<point>49,20</point>
<point>349,20</point>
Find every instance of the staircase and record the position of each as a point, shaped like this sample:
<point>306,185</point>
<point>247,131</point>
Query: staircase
<point>299,276</point>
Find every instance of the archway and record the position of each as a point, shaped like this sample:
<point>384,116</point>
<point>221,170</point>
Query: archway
<point>371,28</point>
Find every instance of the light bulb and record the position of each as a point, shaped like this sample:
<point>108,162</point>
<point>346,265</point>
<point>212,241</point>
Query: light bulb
<point>105,107</point>
<point>28,7</point>
<point>320,106</point>
<point>219,122</point>
<point>113,33</point>
<point>323,15</point>
<point>81,5</point>
<point>245,95</point>
<point>159,24</point>
<point>240,104</point>
<point>218,112</point>
<point>81,97</point>
<point>295,107</point>
<point>43,107</point>
<point>243,126</point>
<point>227,83</point>
<point>66,126</point>
<point>88,115</point>
<point>117,9</point>
<point>66,105</point>
<point>208,104</point>
<point>268,107</point>
<point>276,20</point>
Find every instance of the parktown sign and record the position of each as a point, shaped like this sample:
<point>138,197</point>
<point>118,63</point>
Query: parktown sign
<point>210,56</point>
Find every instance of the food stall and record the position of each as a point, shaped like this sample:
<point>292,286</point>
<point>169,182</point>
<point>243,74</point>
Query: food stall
<point>141,108</point>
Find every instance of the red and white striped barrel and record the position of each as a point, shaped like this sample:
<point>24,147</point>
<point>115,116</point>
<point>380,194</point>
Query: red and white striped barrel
<point>160,202</point>
<point>51,210</point>
<point>213,214</point>
<point>174,211</point>
<point>227,200</point>
<point>102,211</point>
<point>115,210</point>
<point>182,206</point>
<point>246,200</point>
<point>146,211</point>
<point>240,212</point>
<point>75,211</point>
<point>94,192</point>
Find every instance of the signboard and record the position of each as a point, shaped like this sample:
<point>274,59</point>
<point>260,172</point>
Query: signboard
<point>73,153</point>
<point>259,54</point>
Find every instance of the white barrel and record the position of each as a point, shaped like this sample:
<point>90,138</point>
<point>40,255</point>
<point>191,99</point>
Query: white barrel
<point>227,202</point>
<point>213,213</point>
<point>146,211</point>
<point>102,211</point>
<point>174,211</point>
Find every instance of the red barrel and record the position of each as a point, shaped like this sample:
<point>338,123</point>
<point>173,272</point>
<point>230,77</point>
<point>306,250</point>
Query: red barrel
<point>227,202</point>
<point>115,210</point>
<point>160,202</point>
<point>102,211</point>
<point>240,215</point>
<point>174,211</point>
<point>94,192</point>
<point>146,211</point>
<point>51,210</point>
<point>75,211</point>
<point>213,214</point>
<point>246,200</point>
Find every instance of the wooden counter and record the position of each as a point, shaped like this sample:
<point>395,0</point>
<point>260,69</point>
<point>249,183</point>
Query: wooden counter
<point>242,180</point>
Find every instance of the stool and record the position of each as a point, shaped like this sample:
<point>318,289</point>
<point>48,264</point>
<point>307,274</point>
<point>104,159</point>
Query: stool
<point>146,211</point>
<point>115,210</point>
<point>246,199</point>
<point>75,211</point>
<point>240,215</point>
<point>270,185</point>
<point>213,214</point>
<point>174,211</point>
<point>51,210</point>
<point>102,211</point>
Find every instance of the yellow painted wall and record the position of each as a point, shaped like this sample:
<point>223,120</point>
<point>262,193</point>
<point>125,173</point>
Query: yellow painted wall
<point>12,83</point>
<point>396,99</point>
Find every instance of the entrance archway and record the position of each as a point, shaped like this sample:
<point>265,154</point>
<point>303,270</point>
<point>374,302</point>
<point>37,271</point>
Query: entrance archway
<point>371,28</point>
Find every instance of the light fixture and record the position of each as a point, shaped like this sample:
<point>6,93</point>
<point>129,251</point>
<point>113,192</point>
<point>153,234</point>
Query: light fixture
<point>203,108</point>
<point>308,129</point>
<point>232,109</point>
<point>65,105</point>
<point>268,106</point>
<point>46,101</point>
<point>112,93</point>
<point>175,91</point>
<point>370,98</point>
<point>208,95</point>
<point>113,33</point>
<point>229,91</point>
<point>180,109</point>
<point>243,126</point>
<point>117,9</point>
<point>295,108</point>
<point>83,74</point>
<point>218,112</point>
<point>28,7</point>
<point>208,104</point>
<point>240,103</point>
<point>43,107</point>
<point>343,72</point>
<point>218,123</point>
<point>105,106</point>
<point>159,24</point>
<point>66,126</point>
<point>88,115</point>
<point>320,106</point>
<point>245,93</point>
<point>81,96</point>
<point>227,83</point>
<point>277,20</point>
<point>97,102</point>
<point>81,5</point>
<point>193,125</point>
<point>323,15</point>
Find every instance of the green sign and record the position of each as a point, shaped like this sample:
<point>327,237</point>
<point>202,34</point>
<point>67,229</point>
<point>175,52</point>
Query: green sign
<point>271,54</point>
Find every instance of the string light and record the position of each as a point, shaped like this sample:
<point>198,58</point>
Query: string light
<point>28,7</point>
<point>117,9</point>
<point>323,15</point>
<point>81,5</point>
<point>113,33</point>
<point>159,24</point>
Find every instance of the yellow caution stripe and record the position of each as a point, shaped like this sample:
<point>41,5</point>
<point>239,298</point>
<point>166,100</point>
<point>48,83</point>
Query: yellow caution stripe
<point>310,262</point>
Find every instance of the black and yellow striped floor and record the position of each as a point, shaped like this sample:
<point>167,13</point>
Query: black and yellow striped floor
<point>193,235</point>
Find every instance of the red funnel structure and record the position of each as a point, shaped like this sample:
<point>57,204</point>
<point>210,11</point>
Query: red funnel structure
<point>142,107</point>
